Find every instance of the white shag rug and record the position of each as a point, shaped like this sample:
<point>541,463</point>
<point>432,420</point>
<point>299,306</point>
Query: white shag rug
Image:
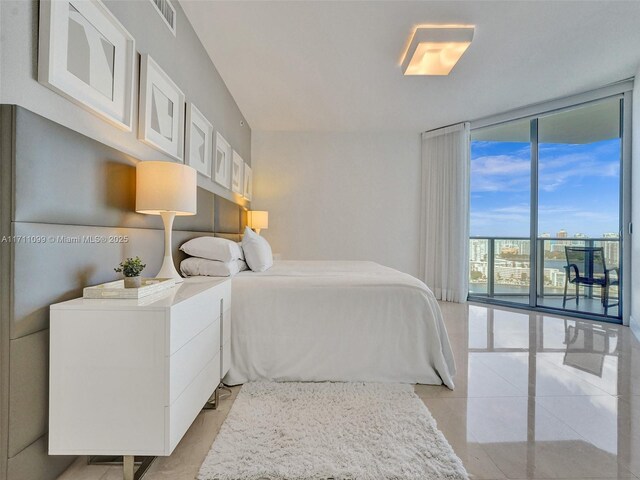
<point>340,431</point>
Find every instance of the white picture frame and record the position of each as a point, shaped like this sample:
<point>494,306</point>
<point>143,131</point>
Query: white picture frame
<point>248,182</point>
<point>87,56</point>
<point>198,143</point>
<point>222,162</point>
<point>237,174</point>
<point>162,110</point>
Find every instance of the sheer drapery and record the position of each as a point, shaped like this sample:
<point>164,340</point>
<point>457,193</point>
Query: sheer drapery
<point>444,229</point>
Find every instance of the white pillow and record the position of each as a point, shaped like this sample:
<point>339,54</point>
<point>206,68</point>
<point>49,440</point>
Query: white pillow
<point>257,251</point>
<point>241,251</point>
<point>213,248</point>
<point>194,266</point>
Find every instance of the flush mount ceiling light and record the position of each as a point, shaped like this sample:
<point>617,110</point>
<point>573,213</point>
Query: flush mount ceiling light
<point>435,49</point>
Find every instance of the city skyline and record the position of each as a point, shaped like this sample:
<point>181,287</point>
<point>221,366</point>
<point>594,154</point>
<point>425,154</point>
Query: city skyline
<point>579,188</point>
<point>559,234</point>
<point>511,265</point>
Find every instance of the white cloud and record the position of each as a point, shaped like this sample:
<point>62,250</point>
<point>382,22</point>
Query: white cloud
<point>492,173</point>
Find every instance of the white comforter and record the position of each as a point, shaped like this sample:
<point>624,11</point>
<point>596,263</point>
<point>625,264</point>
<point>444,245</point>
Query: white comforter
<point>336,321</point>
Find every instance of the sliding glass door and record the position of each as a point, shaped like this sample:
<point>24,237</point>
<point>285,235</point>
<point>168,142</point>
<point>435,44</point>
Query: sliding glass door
<point>546,211</point>
<point>500,247</point>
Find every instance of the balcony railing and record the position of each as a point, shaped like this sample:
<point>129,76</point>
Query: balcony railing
<point>500,267</point>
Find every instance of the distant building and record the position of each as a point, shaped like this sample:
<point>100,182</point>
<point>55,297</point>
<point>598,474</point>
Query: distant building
<point>509,250</point>
<point>554,277</point>
<point>579,242</point>
<point>512,273</point>
<point>546,243</point>
<point>611,249</point>
<point>514,247</point>
<point>559,245</point>
<point>523,246</point>
<point>479,250</point>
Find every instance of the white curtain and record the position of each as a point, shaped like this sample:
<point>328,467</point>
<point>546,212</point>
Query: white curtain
<point>444,228</point>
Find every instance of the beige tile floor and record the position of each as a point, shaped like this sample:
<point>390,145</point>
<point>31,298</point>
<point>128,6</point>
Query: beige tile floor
<point>536,397</point>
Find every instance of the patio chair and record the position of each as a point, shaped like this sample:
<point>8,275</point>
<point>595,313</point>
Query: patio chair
<point>586,266</point>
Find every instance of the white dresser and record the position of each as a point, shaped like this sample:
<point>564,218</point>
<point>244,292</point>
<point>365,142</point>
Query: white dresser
<point>128,377</point>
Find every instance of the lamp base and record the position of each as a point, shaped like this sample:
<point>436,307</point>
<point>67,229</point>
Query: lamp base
<point>168,269</point>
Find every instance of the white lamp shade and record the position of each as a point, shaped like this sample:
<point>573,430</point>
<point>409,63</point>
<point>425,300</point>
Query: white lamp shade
<point>166,187</point>
<point>258,219</point>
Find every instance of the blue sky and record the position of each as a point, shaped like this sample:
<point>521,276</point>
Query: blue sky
<point>579,188</point>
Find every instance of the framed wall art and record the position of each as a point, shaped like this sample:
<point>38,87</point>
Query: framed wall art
<point>248,182</point>
<point>161,122</point>
<point>87,56</point>
<point>237,173</point>
<point>198,141</point>
<point>222,161</point>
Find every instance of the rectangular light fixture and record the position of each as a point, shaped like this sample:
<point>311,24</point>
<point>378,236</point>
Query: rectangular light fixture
<point>435,50</point>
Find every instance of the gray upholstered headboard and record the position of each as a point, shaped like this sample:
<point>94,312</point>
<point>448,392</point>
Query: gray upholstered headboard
<point>236,237</point>
<point>229,219</point>
<point>64,188</point>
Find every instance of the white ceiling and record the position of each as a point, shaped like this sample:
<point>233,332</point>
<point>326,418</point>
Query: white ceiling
<point>335,66</point>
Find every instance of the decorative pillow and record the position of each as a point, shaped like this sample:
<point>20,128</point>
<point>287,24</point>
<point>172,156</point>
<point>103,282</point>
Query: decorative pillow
<point>193,266</point>
<point>213,248</point>
<point>257,251</point>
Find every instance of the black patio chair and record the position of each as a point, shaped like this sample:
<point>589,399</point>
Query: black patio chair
<point>586,266</point>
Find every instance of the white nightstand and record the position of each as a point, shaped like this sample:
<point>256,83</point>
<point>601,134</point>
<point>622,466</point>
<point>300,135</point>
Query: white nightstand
<point>128,377</point>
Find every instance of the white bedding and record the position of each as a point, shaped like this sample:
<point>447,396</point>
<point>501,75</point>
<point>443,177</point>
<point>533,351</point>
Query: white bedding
<point>336,321</point>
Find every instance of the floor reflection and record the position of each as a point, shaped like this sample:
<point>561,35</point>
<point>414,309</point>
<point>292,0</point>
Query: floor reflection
<point>540,396</point>
<point>587,305</point>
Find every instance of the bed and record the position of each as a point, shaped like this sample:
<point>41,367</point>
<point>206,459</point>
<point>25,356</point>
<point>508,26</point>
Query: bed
<point>337,321</point>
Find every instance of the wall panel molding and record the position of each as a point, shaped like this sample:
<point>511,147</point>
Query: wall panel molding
<point>70,179</point>
<point>70,202</point>
<point>6,270</point>
<point>58,269</point>
<point>33,463</point>
<point>28,393</point>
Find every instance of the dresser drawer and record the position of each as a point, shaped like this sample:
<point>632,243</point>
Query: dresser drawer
<point>190,318</point>
<point>188,362</point>
<point>187,406</point>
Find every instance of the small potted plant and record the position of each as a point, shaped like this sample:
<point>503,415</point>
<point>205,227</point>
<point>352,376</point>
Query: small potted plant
<point>131,269</point>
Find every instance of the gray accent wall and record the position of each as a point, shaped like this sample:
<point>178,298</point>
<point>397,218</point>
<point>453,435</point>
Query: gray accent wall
<point>182,56</point>
<point>6,273</point>
<point>67,173</point>
<point>62,187</point>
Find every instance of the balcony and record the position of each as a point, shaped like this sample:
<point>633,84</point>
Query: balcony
<point>500,270</point>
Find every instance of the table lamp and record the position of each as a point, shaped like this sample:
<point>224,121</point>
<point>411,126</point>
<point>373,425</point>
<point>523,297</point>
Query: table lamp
<point>258,219</point>
<point>166,189</point>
